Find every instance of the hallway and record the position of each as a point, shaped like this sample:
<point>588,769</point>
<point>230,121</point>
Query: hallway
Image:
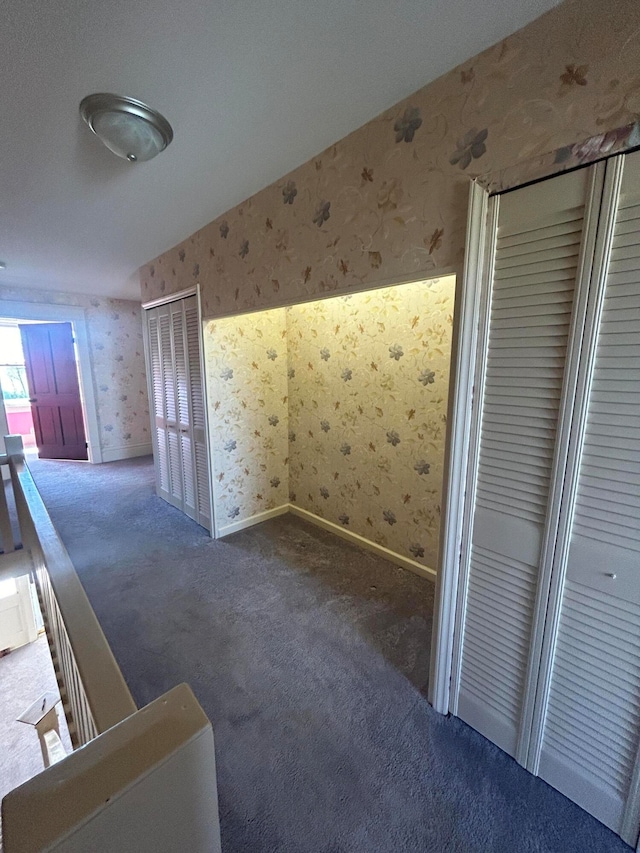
<point>310,657</point>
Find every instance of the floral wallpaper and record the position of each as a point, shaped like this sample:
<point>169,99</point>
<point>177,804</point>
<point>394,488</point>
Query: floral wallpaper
<point>389,201</point>
<point>117,361</point>
<point>368,387</point>
<point>246,370</point>
<point>338,406</point>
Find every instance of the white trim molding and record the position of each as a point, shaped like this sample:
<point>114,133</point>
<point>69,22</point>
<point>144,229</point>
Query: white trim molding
<point>207,428</point>
<point>126,451</point>
<point>331,527</point>
<point>467,312</point>
<point>258,518</point>
<point>172,297</point>
<point>49,312</point>
<point>367,544</point>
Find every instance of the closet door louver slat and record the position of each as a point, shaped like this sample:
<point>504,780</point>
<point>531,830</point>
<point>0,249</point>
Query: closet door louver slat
<point>536,260</point>
<point>592,727</point>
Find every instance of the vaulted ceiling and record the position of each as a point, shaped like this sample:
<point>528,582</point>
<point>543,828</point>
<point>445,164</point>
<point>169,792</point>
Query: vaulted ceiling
<point>252,89</point>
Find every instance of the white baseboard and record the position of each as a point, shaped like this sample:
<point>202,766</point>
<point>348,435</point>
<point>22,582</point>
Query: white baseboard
<point>356,539</point>
<point>258,518</point>
<point>129,451</point>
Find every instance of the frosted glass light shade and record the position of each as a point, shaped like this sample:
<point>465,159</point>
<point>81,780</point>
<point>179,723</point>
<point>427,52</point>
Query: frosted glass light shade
<point>127,127</point>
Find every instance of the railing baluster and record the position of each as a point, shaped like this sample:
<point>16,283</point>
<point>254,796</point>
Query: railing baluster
<point>95,696</point>
<point>6,533</point>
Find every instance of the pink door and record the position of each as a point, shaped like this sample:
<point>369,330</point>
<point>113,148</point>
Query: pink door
<point>52,377</point>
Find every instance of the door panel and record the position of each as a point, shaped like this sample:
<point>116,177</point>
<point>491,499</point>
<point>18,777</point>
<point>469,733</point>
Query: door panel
<point>592,727</point>
<point>183,408</point>
<point>52,377</point>
<point>169,399</point>
<point>536,261</point>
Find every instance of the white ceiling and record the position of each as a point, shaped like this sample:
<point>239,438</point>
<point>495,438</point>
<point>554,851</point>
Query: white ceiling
<point>252,88</point>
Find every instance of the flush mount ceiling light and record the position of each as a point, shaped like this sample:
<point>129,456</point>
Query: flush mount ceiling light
<point>127,127</point>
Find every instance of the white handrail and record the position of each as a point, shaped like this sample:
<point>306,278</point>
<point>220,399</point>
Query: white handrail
<point>94,692</point>
<point>144,780</point>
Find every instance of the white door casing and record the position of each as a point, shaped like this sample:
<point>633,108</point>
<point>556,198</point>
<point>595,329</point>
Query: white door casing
<point>76,316</point>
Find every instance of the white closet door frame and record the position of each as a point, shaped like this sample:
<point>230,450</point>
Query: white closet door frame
<point>205,404</point>
<point>192,438</point>
<point>164,300</point>
<point>483,319</point>
<point>467,312</point>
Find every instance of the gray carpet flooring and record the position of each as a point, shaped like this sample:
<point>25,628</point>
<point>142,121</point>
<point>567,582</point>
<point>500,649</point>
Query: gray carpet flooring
<point>309,656</point>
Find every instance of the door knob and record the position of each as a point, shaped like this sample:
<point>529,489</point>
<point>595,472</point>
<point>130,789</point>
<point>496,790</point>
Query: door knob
<point>33,399</point>
<point>611,575</point>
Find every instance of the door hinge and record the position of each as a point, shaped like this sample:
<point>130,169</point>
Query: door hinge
<point>86,444</point>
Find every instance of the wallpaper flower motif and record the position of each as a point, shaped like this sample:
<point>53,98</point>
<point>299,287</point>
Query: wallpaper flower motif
<point>322,214</point>
<point>470,147</point>
<point>369,451</point>
<point>245,359</point>
<point>289,192</point>
<point>406,126</point>
<point>352,431</point>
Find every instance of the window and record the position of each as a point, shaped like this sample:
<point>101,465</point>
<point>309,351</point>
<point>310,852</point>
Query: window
<point>13,378</point>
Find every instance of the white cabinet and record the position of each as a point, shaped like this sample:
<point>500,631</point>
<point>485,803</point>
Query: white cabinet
<point>178,407</point>
<point>547,649</point>
<point>17,620</point>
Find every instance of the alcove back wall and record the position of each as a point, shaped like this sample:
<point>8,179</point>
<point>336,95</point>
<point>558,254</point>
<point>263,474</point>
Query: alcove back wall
<point>359,384</point>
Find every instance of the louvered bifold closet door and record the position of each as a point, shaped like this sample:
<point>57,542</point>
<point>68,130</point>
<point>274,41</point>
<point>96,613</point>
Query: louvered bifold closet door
<point>198,416</point>
<point>157,402</point>
<point>180,445</point>
<point>170,406</point>
<point>592,727</point>
<point>183,407</point>
<point>536,260</point>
